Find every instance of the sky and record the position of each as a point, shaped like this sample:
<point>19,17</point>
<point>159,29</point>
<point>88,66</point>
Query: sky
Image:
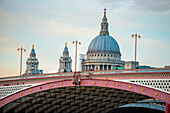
<point>48,24</point>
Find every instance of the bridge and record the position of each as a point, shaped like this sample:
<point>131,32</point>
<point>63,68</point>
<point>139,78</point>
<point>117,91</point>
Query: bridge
<point>88,91</point>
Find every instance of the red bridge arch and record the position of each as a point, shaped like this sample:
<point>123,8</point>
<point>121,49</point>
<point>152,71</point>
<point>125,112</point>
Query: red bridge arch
<point>154,93</point>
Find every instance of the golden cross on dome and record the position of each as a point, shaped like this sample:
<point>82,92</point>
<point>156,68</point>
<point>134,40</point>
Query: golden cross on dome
<point>105,12</point>
<point>33,46</point>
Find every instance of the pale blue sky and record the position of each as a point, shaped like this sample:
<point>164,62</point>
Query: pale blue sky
<point>49,24</point>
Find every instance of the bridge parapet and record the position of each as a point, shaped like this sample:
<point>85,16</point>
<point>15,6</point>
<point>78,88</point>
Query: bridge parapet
<point>163,84</point>
<point>9,90</point>
<point>158,79</point>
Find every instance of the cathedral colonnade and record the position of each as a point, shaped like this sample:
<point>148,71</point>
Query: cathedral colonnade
<point>97,67</point>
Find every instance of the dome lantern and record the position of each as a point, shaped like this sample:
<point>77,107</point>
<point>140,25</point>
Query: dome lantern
<point>104,25</point>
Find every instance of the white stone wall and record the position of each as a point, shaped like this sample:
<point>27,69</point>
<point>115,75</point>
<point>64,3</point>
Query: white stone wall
<point>156,83</point>
<point>8,90</point>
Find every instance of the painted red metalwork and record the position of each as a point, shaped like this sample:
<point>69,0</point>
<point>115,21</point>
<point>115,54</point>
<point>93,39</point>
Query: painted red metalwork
<point>76,53</point>
<point>89,72</point>
<point>21,49</point>
<point>135,46</point>
<point>112,76</point>
<point>154,93</point>
<point>167,108</point>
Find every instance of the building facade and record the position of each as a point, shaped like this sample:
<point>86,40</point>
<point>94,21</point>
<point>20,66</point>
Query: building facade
<point>131,65</point>
<point>65,61</point>
<point>32,64</point>
<point>81,60</point>
<point>103,52</point>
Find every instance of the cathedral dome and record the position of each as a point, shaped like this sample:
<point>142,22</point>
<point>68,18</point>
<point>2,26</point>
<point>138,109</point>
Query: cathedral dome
<point>103,51</point>
<point>104,44</point>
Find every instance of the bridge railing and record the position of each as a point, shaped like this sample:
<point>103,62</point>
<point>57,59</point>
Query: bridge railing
<point>106,72</point>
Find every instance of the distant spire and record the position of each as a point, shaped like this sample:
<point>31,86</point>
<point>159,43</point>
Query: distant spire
<point>33,46</point>
<point>32,51</point>
<point>65,49</point>
<point>66,44</point>
<point>104,25</point>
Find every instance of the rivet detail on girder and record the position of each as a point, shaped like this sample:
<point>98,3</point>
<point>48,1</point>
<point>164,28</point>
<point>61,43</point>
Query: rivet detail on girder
<point>156,94</point>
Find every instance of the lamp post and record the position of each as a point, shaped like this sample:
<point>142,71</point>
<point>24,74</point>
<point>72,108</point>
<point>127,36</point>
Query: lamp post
<point>21,49</point>
<point>75,42</point>
<point>136,35</point>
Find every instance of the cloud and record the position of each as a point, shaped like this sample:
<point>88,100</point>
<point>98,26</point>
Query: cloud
<point>7,46</point>
<point>9,19</point>
<point>143,5</point>
<point>112,4</point>
<point>4,71</point>
<point>38,25</point>
<point>55,28</point>
<point>152,5</point>
<point>151,42</point>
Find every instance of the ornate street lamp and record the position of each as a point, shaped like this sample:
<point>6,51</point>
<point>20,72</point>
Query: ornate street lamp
<point>75,42</point>
<point>135,45</point>
<point>21,49</point>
